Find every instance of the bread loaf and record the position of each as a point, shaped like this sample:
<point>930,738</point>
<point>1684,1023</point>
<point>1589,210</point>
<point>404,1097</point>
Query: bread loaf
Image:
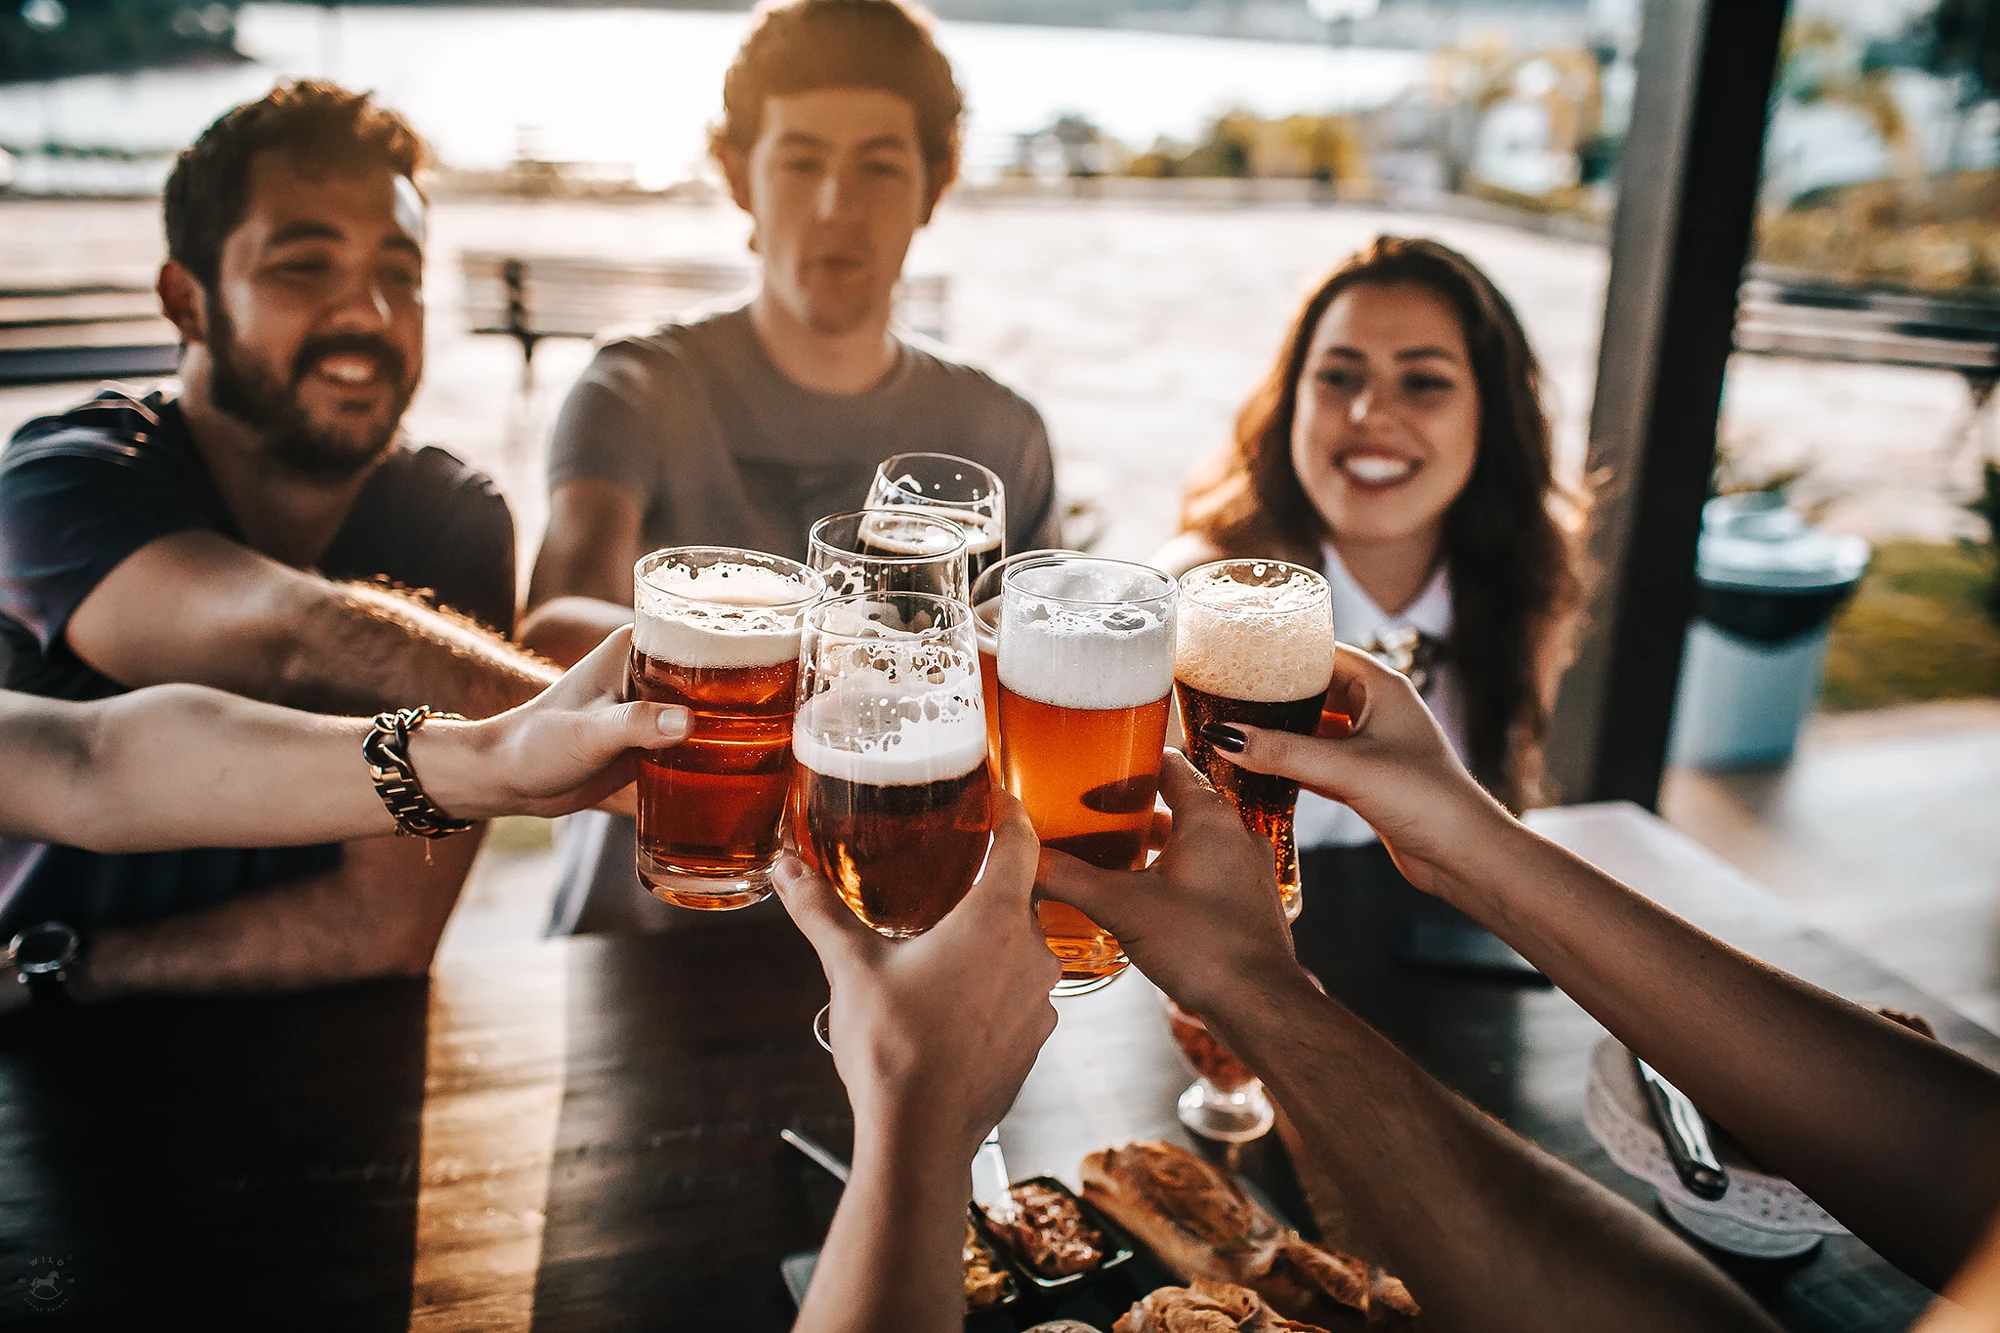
<point>1207,1307</point>
<point>1204,1227</point>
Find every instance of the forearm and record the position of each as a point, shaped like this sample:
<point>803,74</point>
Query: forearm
<point>358,648</point>
<point>893,1257</point>
<point>1489,1232</point>
<point>1895,1134</point>
<point>564,629</point>
<point>380,913</point>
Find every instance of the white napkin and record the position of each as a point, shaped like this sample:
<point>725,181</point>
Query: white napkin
<point>1763,1216</point>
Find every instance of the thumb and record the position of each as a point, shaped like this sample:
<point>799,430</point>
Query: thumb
<point>608,732</point>
<point>1320,764</point>
<point>834,932</point>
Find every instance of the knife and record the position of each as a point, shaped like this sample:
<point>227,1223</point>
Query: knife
<point>1684,1133</point>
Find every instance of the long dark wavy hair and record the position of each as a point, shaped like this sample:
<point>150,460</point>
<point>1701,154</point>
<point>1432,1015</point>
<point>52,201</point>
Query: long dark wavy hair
<point>1511,539</point>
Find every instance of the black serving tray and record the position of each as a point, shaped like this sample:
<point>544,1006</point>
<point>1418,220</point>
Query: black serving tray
<point>1118,1245</point>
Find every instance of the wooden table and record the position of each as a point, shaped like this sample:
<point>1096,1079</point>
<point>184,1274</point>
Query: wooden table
<point>582,1134</point>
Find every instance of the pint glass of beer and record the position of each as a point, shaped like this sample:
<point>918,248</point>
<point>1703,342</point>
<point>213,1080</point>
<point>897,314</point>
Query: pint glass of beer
<point>952,488</point>
<point>1086,666</point>
<point>986,623</point>
<point>716,630</point>
<point>892,800</point>
<point>889,550</point>
<point>1255,645</point>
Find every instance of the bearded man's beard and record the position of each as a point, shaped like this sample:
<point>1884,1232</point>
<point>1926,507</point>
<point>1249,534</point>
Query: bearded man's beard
<point>246,390</point>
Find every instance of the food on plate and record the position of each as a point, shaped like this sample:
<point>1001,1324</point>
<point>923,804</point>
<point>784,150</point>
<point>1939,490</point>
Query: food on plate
<point>1207,1307</point>
<point>1046,1231</point>
<point>1203,1226</point>
<point>985,1285</point>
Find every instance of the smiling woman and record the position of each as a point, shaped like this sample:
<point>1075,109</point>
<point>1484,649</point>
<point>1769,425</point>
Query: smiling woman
<point>1400,443</point>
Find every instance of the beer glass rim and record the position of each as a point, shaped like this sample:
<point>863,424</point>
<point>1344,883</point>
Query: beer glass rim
<point>957,615</point>
<point>813,584</point>
<point>995,487</point>
<point>1166,592</point>
<point>1190,584</point>
<point>917,512</point>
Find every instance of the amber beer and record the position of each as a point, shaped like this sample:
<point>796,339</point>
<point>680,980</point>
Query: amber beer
<point>901,834</point>
<point>1255,645</point>
<point>894,803</point>
<point>1085,660</point>
<point>716,630</point>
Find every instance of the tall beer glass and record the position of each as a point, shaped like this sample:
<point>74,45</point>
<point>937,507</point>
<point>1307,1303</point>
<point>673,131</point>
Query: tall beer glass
<point>1255,645</point>
<point>893,802</point>
<point>986,623</point>
<point>952,488</point>
<point>1086,658</point>
<point>716,630</point>
<point>889,550</point>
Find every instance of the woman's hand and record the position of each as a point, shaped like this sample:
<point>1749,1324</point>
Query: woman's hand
<point>934,1035</point>
<point>1395,769</point>
<point>566,749</point>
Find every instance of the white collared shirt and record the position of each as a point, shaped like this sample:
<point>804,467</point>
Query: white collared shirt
<point>1357,620</point>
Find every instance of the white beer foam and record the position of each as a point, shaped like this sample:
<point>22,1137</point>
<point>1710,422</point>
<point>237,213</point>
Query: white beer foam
<point>903,742</point>
<point>721,615</point>
<point>1258,644</point>
<point>982,531</point>
<point>1086,657</point>
<point>905,532</point>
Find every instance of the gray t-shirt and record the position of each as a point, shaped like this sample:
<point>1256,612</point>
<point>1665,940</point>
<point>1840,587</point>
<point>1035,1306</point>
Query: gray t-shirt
<point>722,449</point>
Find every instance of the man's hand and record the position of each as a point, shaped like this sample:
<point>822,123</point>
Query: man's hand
<point>568,748</point>
<point>1395,769</point>
<point>1204,915</point>
<point>934,1035</point>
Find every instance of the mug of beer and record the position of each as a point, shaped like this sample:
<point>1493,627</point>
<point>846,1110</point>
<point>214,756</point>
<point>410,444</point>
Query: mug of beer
<point>716,630</point>
<point>892,799</point>
<point>952,488</point>
<point>1086,668</point>
<point>1255,645</point>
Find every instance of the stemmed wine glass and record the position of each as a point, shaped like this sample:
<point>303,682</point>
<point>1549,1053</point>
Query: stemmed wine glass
<point>893,801</point>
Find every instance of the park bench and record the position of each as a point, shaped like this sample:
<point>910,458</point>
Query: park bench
<point>531,297</point>
<point>83,331</point>
<point>1782,313</point>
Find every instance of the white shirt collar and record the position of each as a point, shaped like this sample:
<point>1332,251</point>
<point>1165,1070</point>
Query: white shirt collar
<point>1357,619</point>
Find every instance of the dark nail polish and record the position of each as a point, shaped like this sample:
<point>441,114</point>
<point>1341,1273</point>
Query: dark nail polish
<point>1224,737</point>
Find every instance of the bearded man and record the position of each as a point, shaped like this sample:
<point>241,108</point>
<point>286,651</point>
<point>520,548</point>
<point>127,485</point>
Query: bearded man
<point>264,529</point>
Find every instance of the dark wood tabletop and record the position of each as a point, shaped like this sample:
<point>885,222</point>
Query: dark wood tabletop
<point>583,1134</point>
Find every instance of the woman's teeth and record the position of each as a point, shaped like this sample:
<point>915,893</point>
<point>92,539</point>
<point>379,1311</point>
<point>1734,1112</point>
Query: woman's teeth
<point>1377,469</point>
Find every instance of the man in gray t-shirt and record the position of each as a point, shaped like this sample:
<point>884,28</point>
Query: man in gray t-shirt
<point>839,135</point>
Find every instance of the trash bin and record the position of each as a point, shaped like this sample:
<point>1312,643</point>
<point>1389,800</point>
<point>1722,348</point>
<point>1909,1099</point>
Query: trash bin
<point>1770,584</point>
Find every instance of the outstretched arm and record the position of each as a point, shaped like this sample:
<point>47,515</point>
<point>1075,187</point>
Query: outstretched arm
<point>1896,1135</point>
<point>186,766</point>
<point>196,607</point>
<point>582,585</point>
<point>933,1037</point>
<point>1488,1231</point>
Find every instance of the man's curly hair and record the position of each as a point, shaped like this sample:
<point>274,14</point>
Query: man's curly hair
<point>320,127</point>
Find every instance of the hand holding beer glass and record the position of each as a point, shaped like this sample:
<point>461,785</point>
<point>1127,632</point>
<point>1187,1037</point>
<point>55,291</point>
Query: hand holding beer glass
<point>1086,667</point>
<point>893,802</point>
<point>952,488</point>
<point>716,630</point>
<point>1255,645</point>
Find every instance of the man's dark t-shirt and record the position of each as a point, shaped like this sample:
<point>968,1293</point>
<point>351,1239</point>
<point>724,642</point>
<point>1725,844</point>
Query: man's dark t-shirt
<point>81,492</point>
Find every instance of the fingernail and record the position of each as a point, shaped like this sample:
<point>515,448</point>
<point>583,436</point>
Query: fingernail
<point>673,722</point>
<point>1224,737</point>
